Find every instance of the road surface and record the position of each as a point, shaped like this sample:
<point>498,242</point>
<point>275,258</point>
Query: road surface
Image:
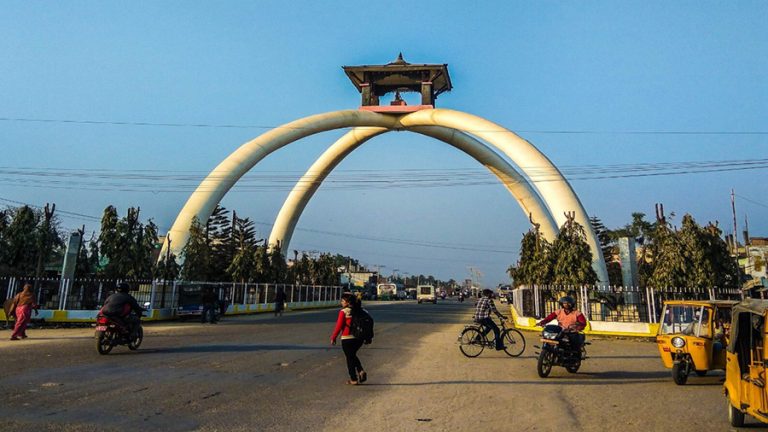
<point>259,372</point>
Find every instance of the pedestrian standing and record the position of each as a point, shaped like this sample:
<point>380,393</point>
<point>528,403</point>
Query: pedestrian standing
<point>208,299</point>
<point>22,307</point>
<point>280,298</point>
<point>350,307</point>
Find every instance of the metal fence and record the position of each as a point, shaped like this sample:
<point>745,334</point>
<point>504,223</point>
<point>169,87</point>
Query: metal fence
<point>89,294</point>
<point>612,303</point>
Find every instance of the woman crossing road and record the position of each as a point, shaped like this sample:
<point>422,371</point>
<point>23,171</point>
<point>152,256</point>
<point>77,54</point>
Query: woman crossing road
<point>350,307</point>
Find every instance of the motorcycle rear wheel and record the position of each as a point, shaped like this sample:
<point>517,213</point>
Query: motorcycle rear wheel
<point>103,343</point>
<point>134,344</point>
<point>544,365</point>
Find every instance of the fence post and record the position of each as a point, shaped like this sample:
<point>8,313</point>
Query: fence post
<point>9,290</point>
<point>174,304</point>
<point>152,294</point>
<point>65,286</point>
<point>536,301</point>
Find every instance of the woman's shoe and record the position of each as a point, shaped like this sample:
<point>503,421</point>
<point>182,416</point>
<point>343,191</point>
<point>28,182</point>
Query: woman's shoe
<point>362,376</point>
<point>14,338</point>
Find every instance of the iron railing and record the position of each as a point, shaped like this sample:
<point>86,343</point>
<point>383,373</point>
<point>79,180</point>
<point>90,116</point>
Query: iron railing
<point>89,294</point>
<point>612,303</point>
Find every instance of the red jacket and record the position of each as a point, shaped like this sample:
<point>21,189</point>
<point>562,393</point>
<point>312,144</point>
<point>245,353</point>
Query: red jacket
<point>343,322</point>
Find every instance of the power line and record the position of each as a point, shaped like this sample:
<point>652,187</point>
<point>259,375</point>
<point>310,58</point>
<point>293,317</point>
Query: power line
<point>243,126</point>
<point>409,242</point>
<point>163,182</point>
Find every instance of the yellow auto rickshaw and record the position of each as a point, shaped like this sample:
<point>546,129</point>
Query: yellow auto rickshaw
<point>692,336</point>
<point>745,368</point>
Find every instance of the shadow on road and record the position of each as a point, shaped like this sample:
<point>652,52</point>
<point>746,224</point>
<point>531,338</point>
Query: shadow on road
<point>230,348</point>
<point>553,380</point>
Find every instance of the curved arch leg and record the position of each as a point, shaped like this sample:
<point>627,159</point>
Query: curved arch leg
<point>546,178</point>
<point>212,189</point>
<point>296,202</point>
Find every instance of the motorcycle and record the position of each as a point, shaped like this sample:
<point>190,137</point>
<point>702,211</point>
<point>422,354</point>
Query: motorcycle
<point>558,350</point>
<point>111,332</point>
<point>461,298</point>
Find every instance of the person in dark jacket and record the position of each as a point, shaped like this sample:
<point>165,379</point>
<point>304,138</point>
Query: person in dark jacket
<point>119,306</point>
<point>208,299</point>
<point>280,299</point>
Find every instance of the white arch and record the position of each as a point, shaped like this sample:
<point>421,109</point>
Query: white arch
<point>302,192</point>
<point>556,192</point>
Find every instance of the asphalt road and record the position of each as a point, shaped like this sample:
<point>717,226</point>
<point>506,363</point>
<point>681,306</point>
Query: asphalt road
<point>258,372</point>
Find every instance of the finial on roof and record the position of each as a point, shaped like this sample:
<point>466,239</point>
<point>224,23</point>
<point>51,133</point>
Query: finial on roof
<point>400,60</point>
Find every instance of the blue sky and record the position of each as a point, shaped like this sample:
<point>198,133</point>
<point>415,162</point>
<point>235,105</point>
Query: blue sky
<point>623,86</point>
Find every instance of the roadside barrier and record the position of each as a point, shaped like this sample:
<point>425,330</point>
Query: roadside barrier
<point>602,328</point>
<point>166,314</point>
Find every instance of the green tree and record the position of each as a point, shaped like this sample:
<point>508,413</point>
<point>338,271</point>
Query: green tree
<point>534,266</point>
<point>640,229</point>
<point>21,241</point>
<point>196,253</point>
<point>669,262</point>
<point>109,242</point>
<point>726,270</point>
<point>695,245</point>
<point>220,237</point>
<point>278,266</point>
<point>243,265</point>
<point>571,256</point>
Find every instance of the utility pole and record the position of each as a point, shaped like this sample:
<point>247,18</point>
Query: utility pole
<point>735,229</point>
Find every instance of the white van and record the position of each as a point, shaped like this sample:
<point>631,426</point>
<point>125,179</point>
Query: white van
<point>426,293</point>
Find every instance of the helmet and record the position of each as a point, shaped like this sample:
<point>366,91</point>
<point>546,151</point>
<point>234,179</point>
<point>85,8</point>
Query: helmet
<point>567,299</point>
<point>123,287</point>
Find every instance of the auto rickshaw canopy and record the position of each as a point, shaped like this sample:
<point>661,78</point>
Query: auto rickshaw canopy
<point>746,306</point>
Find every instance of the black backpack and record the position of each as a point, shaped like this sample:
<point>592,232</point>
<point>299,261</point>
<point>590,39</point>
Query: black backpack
<point>362,326</point>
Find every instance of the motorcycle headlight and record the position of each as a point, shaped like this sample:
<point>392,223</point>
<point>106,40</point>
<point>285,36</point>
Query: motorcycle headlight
<point>678,342</point>
<point>549,335</point>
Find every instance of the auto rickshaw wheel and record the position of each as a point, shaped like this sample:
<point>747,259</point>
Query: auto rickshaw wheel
<point>680,372</point>
<point>701,373</point>
<point>735,417</point>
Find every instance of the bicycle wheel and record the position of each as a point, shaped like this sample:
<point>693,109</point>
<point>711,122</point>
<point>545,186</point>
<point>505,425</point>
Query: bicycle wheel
<point>514,341</point>
<point>471,342</point>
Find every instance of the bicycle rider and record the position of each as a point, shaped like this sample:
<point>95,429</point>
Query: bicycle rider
<point>483,317</point>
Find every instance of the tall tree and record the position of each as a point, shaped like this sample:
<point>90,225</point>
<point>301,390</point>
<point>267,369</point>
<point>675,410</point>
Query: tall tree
<point>242,267</point>
<point>534,266</point>
<point>22,241</point>
<point>669,263</point>
<point>219,235</point>
<point>571,256</point>
<point>196,253</point>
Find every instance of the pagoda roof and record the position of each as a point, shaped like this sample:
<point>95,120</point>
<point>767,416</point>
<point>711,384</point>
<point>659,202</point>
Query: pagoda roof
<point>400,75</point>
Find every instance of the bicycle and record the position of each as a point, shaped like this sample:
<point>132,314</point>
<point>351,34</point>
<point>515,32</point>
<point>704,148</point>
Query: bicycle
<point>472,341</point>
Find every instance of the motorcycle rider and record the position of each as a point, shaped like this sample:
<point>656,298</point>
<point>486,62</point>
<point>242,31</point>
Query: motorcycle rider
<point>119,306</point>
<point>570,319</point>
<point>483,317</point>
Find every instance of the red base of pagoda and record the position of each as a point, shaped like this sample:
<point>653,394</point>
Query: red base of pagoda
<point>395,109</point>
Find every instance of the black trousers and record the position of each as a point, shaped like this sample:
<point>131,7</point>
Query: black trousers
<point>351,347</point>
